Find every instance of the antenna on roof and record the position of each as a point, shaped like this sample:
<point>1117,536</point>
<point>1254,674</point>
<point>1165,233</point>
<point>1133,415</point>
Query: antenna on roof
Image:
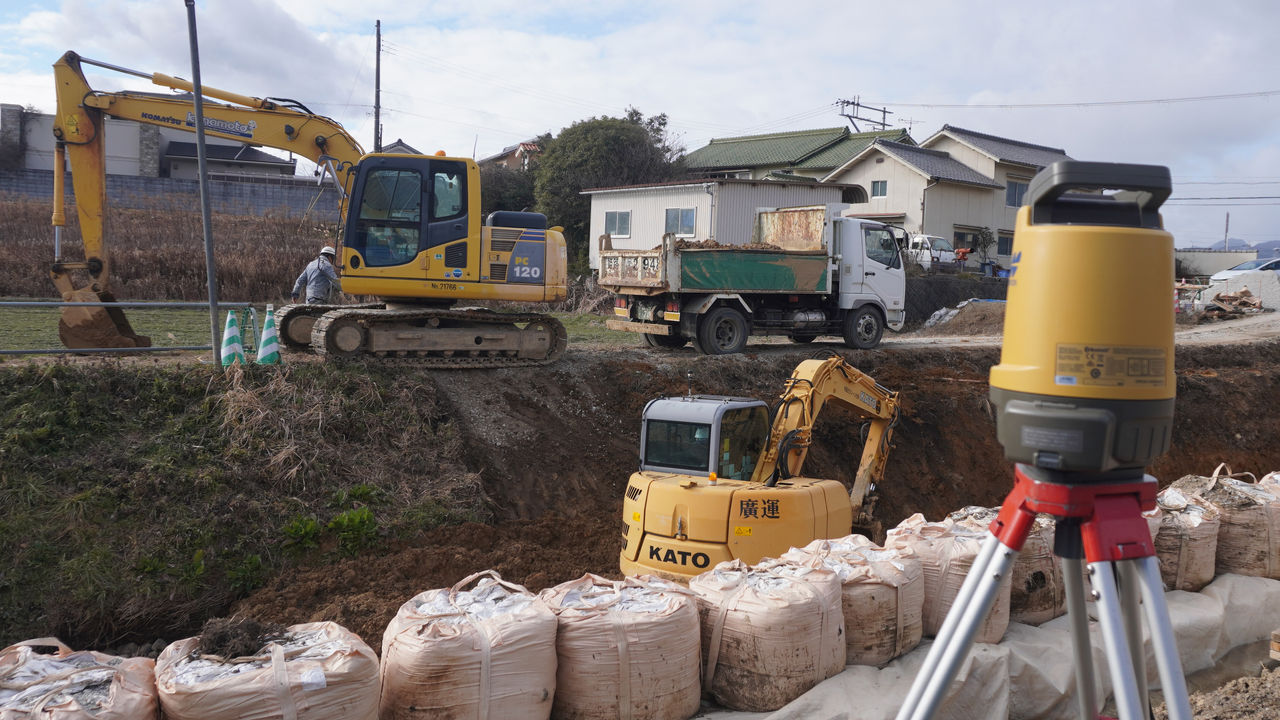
<point>689,379</point>
<point>882,123</point>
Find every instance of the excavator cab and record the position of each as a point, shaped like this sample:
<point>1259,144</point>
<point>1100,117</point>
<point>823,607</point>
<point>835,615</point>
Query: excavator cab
<point>704,434</point>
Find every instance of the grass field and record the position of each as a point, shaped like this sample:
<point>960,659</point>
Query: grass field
<point>37,328</point>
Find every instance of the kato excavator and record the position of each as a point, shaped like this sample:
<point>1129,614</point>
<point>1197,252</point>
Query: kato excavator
<point>411,234</point>
<point>718,480</point>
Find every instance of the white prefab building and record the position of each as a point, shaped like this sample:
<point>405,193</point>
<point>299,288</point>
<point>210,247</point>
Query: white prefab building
<point>636,217</point>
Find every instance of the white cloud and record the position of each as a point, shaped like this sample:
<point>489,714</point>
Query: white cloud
<point>479,76</point>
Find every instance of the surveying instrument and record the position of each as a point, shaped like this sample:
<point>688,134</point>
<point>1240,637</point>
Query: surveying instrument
<point>1084,398</point>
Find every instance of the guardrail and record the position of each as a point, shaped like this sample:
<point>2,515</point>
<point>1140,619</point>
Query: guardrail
<point>248,330</point>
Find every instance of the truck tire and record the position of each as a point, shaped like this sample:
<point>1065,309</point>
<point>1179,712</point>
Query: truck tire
<point>723,331</point>
<point>669,342</point>
<point>863,327</point>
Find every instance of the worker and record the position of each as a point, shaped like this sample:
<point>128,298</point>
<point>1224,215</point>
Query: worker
<point>318,278</point>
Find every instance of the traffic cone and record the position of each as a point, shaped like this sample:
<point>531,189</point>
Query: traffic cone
<point>269,347</point>
<point>232,350</point>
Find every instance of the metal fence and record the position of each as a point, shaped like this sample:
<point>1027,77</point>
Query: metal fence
<point>248,331</point>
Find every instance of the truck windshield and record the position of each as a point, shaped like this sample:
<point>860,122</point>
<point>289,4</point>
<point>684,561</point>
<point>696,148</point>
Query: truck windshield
<point>683,445</point>
<point>743,433</point>
<point>941,245</point>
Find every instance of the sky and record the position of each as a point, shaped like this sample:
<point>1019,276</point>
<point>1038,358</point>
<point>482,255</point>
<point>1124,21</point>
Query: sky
<point>1191,85</point>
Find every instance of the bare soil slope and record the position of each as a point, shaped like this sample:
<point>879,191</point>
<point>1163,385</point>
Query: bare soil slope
<point>553,449</point>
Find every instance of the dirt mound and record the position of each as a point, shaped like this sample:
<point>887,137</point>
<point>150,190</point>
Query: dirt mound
<point>972,318</point>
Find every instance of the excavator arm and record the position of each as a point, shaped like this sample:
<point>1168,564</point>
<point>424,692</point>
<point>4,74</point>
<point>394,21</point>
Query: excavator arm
<point>78,127</point>
<point>813,383</point>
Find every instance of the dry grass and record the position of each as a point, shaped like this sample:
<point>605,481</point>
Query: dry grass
<point>158,253</point>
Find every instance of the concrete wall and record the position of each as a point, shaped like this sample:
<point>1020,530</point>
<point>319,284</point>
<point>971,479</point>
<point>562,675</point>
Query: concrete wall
<point>282,197</point>
<point>1208,262</point>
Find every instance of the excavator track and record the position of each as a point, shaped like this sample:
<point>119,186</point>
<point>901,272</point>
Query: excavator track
<point>440,338</point>
<point>295,321</point>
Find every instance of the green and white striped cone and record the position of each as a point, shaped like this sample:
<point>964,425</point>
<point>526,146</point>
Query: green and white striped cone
<point>232,350</point>
<point>269,348</point>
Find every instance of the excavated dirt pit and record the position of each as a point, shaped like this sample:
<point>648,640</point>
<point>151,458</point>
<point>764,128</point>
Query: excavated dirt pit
<point>554,447</point>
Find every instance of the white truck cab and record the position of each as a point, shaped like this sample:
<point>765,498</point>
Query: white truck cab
<point>930,251</point>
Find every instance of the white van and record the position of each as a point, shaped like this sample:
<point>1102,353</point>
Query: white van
<point>930,251</point>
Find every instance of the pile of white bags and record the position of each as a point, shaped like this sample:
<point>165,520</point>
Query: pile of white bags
<point>946,553</point>
<point>318,671</point>
<point>72,685</point>
<point>489,652</point>
<point>882,593</point>
<point>1249,516</point>
<point>1186,540</point>
<point>626,649</point>
<point>1036,591</point>
<point>768,635</point>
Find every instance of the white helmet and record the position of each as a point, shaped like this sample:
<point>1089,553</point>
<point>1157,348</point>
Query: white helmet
<point>327,250</point>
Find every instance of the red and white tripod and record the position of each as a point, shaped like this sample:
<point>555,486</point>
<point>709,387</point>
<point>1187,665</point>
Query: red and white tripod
<point>1099,521</point>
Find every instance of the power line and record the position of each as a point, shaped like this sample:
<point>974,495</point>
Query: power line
<point>1101,103</point>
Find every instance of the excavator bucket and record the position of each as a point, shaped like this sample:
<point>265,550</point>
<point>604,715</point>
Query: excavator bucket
<point>96,327</point>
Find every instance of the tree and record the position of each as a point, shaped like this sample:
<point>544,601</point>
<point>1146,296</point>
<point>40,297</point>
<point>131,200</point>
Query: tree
<point>984,242</point>
<point>502,188</point>
<point>598,152</point>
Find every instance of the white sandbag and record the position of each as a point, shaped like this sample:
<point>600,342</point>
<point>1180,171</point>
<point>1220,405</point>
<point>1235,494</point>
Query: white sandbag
<point>1036,591</point>
<point>946,553</point>
<point>626,649</point>
<point>319,671</point>
<point>768,635</point>
<point>1249,521</point>
<point>882,593</point>
<point>486,653</point>
<point>1186,540</point>
<point>69,685</point>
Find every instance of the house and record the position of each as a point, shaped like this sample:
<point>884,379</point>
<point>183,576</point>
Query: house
<point>721,209</point>
<point>138,149</point>
<point>513,157</point>
<point>952,185</point>
<point>805,154</point>
<point>400,146</point>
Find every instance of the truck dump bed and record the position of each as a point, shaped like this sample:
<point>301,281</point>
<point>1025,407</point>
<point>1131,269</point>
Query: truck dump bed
<point>670,268</point>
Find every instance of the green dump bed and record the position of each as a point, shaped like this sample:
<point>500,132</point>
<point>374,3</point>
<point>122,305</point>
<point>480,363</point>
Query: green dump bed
<point>722,269</point>
<point>766,271</point>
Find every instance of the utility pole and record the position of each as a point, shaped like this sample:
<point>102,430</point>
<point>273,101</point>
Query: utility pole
<point>1226,241</point>
<point>377,90</point>
<point>857,106</point>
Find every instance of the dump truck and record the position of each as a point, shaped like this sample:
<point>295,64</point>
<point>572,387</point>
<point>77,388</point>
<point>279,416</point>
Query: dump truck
<point>805,272</point>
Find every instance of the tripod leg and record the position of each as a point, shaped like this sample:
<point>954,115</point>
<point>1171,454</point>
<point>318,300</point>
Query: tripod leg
<point>1082,649</point>
<point>956,635</point>
<point>1114,642</point>
<point>1168,663</point>
<point>1129,579</point>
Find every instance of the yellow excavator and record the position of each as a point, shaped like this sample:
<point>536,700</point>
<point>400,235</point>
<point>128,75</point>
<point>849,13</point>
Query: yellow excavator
<point>411,234</point>
<point>718,480</point>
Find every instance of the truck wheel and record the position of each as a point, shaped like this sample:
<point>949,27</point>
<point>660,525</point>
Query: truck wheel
<point>863,328</point>
<point>669,342</point>
<point>723,331</point>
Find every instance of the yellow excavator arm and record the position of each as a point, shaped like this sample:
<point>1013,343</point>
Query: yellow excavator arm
<point>78,127</point>
<point>813,383</point>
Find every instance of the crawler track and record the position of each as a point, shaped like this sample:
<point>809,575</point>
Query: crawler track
<point>472,355</point>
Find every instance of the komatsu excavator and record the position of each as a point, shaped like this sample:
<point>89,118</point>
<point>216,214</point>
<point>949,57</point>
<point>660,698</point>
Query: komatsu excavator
<point>411,234</point>
<point>719,481</point>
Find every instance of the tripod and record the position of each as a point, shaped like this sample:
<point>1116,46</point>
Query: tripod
<point>1099,519</point>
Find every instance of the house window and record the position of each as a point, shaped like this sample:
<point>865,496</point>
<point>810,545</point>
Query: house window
<point>1013,193</point>
<point>618,224</point>
<point>680,221</point>
<point>879,188</point>
<point>1004,244</point>
<point>965,239</point>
